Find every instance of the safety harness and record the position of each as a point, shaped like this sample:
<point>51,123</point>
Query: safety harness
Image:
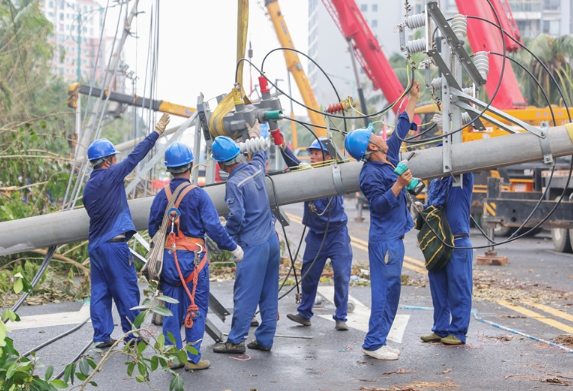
<point>181,242</point>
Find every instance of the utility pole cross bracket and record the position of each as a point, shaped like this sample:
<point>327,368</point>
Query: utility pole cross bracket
<point>337,179</point>
<point>545,146</point>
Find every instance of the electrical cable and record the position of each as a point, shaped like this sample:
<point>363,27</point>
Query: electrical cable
<point>80,354</point>
<point>56,338</point>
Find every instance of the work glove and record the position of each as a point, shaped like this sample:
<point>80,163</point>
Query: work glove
<point>415,209</point>
<point>437,119</point>
<point>222,220</point>
<point>162,124</point>
<point>255,130</point>
<point>238,254</point>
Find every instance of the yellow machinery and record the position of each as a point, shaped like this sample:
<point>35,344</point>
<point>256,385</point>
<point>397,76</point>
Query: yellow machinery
<point>295,68</point>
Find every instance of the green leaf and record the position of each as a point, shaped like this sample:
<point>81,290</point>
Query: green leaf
<point>160,341</point>
<point>182,355</point>
<point>154,363</point>
<point>8,314</point>
<point>81,376</point>
<point>168,299</point>
<point>93,383</point>
<point>140,379</point>
<point>139,319</point>
<point>92,363</point>
<point>59,383</point>
<point>191,349</point>
<point>140,307</point>
<point>176,384</point>
<point>69,373</point>
<point>18,285</point>
<point>142,368</point>
<point>171,338</point>
<point>141,347</point>
<point>4,329</point>
<point>130,368</point>
<point>161,310</point>
<point>84,367</point>
<point>49,373</point>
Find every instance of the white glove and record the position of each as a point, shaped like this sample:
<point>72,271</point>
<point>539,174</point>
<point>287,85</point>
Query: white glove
<point>222,220</point>
<point>415,208</point>
<point>254,131</point>
<point>238,254</point>
<point>437,119</point>
<point>162,124</point>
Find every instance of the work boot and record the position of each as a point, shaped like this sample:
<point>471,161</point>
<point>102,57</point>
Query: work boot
<point>431,338</point>
<point>255,346</point>
<point>229,347</point>
<point>254,322</point>
<point>381,354</point>
<point>202,364</point>
<point>135,341</point>
<point>174,366</point>
<point>104,345</point>
<point>299,319</point>
<point>341,325</point>
<point>395,351</point>
<point>451,340</point>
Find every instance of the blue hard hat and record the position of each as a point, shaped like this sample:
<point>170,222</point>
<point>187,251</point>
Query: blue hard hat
<point>316,144</point>
<point>101,148</point>
<point>177,155</point>
<point>356,142</point>
<point>224,149</point>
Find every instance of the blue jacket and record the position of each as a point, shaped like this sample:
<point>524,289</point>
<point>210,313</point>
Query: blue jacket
<point>458,203</point>
<point>250,221</point>
<point>198,216</point>
<point>105,199</point>
<point>389,214</point>
<point>316,223</point>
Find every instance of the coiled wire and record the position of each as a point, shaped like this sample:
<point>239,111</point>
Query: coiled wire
<point>256,144</point>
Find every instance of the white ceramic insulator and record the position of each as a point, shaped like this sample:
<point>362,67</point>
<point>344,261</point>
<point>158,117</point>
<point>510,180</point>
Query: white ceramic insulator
<point>459,25</point>
<point>437,84</point>
<point>481,61</point>
<point>416,21</point>
<point>466,119</point>
<point>257,144</point>
<point>417,46</point>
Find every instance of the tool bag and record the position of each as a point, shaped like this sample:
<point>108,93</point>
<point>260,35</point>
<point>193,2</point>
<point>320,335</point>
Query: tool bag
<point>152,269</point>
<point>436,253</point>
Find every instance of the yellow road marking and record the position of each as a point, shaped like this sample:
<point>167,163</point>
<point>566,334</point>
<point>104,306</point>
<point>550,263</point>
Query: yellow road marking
<point>414,267</point>
<point>549,310</point>
<point>414,260</point>
<point>536,316</point>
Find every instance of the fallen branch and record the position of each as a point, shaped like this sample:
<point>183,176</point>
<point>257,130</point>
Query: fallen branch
<point>61,258</point>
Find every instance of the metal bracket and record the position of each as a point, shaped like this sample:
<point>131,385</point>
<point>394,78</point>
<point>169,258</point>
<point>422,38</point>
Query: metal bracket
<point>337,178</point>
<point>544,142</point>
<point>217,308</point>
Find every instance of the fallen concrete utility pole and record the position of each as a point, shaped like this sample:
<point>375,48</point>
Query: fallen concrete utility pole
<point>61,228</point>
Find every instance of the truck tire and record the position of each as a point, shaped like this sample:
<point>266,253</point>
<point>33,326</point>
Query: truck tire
<point>561,238</point>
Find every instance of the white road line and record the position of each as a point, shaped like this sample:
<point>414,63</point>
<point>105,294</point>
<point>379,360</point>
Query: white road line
<point>358,319</point>
<point>61,318</point>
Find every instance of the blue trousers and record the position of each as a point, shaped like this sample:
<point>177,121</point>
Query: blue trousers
<point>113,277</point>
<point>386,258</point>
<point>172,324</point>
<point>451,289</point>
<point>257,283</point>
<point>336,247</point>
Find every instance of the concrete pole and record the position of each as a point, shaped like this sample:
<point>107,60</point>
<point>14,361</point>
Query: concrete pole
<point>60,228</point>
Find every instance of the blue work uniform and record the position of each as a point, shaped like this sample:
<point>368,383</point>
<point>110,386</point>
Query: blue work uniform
<point>198,217</point>
<point>389,221</point>
<point>112,269</point>
<point>452,285</point>
<point>250,223</point>
<point>319,214</point>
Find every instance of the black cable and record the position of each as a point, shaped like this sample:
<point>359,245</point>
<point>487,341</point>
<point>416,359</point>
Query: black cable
<point>59,375</point>
<point>318,66</point>
<point>43,345</point>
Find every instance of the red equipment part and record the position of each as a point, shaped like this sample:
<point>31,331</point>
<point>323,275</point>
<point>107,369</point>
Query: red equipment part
<point>507,23</point>
<point>350,21</point>
<point>485,37</point>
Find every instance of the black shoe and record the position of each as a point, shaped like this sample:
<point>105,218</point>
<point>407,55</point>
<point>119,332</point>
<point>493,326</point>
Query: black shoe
<point>341,325</point>
<point>255,346</point>
<point>299,319</point>
<point>105,345</point>
<point>254,322</point>
<point>136,341</point>
<point>228,347</point>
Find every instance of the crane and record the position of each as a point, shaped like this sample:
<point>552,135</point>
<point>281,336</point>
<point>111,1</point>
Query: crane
<point>295,68</point>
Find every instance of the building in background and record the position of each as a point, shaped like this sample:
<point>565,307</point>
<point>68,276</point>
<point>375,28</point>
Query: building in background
<point>329,49</point>
<point>66,16</point>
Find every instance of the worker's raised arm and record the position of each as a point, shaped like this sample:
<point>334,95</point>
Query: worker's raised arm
<point>405,123</point>
<point>288,156</point>
<point>382,193</point>
<point>121,170</point>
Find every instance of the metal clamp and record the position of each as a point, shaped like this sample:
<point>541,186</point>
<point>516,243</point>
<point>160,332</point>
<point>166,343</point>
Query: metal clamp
<point>337,178</point>
<point>544,142</point>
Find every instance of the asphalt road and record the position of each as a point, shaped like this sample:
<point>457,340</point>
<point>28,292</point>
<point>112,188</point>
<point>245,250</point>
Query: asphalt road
<point>532,295</point>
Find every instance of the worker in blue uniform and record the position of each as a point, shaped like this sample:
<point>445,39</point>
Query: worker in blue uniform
<point>113,273</point>
<point>323,216</point>
<point>451,286</point>
<point>198,217</point>
<point>390,220</point>
<point>250,223</point>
